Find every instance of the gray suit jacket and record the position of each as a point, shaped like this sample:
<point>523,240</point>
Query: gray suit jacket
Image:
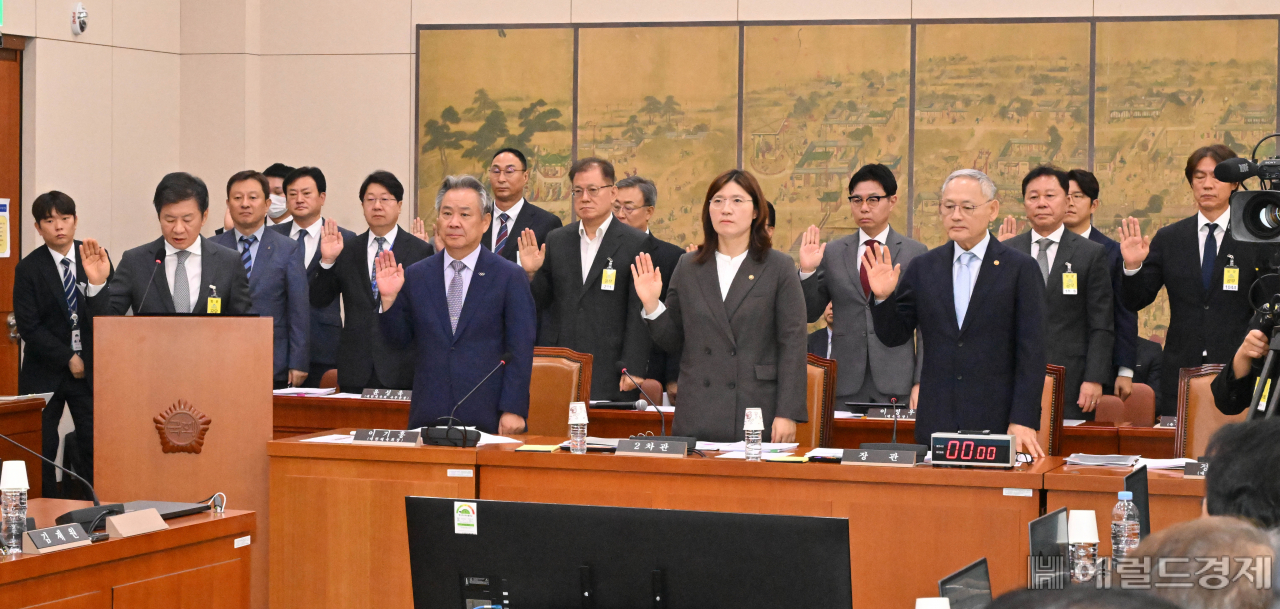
<point>744,351</point>
<point>1079,329</point>
<point>128,288</point>
<point>894,369</point>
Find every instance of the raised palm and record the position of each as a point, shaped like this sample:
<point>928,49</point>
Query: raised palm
<point>531,254</point>
<point>1008,229</point>
<point>1133,246</point>
<point>882,274</point>
<point>811,250</point>
<point>390,277</point>
<point>648,282</point>
<point>97,266</point>
<point>330,241</point>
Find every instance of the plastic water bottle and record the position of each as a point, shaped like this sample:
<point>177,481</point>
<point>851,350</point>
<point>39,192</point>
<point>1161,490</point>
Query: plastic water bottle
<point>753,444</point>
<point>1125,530</point>
<point>13,511</point>
<point>578,438</point>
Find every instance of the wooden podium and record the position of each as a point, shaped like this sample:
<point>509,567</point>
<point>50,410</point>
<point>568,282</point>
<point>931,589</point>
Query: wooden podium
<point>182,409</point>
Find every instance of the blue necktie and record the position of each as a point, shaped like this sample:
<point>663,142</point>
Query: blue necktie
<point>963,286</point>
<point>246,257</point>
<point>373,275</point>
<point>69,290</point>
<point>1210,255</point>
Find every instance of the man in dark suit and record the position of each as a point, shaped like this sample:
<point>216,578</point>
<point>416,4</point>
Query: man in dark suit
<point>1082,202</point>
<point>870,371</point>
<point>180,272</point>
<point>979,306</point>
<point>636,202</point>
<point>304,188</point>
<point>1078,319</point>
<point>820,340</point>
<point>278,204</point>
<point>464,308</point>
<point>582,277</point>
<point>365,360</point>
<point>57,328</point>
<point>1146,368</point>
<point>277,280</point>
<point>508,175</point>
<point>1204,270</point>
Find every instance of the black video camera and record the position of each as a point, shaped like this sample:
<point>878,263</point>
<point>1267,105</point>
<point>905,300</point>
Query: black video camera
<point>1255,214</point>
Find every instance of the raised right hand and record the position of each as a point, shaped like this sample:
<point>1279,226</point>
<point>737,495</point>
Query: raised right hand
<point>1008,229</point>
<point>330,242</point>
<point>648,282</point>
<point>390,277</point>
<point>1133,246</point>
<point>882,274</point>
<point>811,250</point>
<point>531,254</point>
<point>97,266</point>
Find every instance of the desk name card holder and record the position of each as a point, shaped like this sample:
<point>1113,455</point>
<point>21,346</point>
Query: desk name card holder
<point>54,539</point>
<point>129,524</point>
<point>387,437</point>
<point>882,458</point>
<point>652,448</point>
<point>399,395</point>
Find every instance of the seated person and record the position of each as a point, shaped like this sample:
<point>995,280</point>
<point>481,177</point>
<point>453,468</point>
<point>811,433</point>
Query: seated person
<point>820,339</point>
<point>1233,387</point>
<point>1183,553</point>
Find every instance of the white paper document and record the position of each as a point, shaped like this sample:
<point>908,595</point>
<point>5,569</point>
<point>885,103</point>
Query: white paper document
<point>826,453</point>
<point>1102,460</point>
<point>13,398</point>
<point>743,455</point>
<point>337,438</point>
<point>1072,422</point>
<point>661,408</point>
<point>1164,463</point>
<point>730,447</point>
<point>845,414</point>
<point>487,439</point>
<point>305,391</point>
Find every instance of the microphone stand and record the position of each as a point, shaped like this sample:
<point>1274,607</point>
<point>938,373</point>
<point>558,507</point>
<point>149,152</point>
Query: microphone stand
<point>661,415</point>
<point>85,516</point>
<point>446,440</point>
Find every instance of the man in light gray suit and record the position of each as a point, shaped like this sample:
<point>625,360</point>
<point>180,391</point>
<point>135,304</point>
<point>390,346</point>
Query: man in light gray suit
<point>869,371</point>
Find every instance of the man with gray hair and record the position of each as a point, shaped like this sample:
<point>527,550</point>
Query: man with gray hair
<point>468,310</point>
<point>636,202</point>
<point>979,306</point>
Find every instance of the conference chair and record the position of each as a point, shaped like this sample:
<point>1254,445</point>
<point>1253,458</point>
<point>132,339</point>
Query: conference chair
<point>559,376</point>
<point>820,399</point>
<point>1050,434</point>
<point>1198,416</point>
<point>1138,410</point>
<point>329,380</point>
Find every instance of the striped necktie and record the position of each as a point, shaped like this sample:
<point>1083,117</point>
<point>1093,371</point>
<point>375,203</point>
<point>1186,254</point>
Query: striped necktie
<point>71,292</point>
<point>246,255</point>
<point>373,275</point>
<point>502,233</point>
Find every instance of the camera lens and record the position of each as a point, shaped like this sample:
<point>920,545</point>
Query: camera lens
<point>1262,215</point>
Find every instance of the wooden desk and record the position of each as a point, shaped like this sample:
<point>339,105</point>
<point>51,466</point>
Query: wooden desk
<point>192,564</point>
<point>934,520</point>
<point>1173,498</point>
<point>1150,442</point>
<point>294,416</point>
<point>20,420</point>
<point>338,529</point>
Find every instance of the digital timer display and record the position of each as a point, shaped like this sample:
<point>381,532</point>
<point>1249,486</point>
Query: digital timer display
<point>963,449</point>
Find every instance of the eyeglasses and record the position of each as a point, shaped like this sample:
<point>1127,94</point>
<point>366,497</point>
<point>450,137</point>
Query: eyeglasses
<point>628,209</point>
<point>950,208</point>
<point>1079,196</point>
<point>508,171</point>
<point>872,200</point>
<point>737,202</point>
<point>594,191</point>
<point>382,200</point>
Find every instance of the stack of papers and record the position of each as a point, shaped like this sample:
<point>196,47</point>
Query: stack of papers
<point>661,408</point>
<point>304,391</point>
<point>784,457</point>
<point>487,439</point>
<point>1072,422</point>
<point>346,438</point>
<point>738,447</point>
<point>595,443</point>
<point>1102,460</point>
<point>845,414</point>
<point>1164,463</point>
<point>337,438</point>
<point>826,453</point>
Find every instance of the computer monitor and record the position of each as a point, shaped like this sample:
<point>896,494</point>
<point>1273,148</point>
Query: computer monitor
<point>968,588</point>
<point>467,554</point>
<point>1136,483</point>
<point>1049,550</point>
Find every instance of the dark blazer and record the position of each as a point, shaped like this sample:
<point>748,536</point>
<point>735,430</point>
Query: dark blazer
<point>663,367</point>
<point>818,342</point>
<point>989,373</point>
<point>837,281</point>
<point>219,267</point>
<point>1214,321</point>
<point>326,321</point>
<point>1079,329</point>
<point>531,216</point>
<point>278,289</point>
<point>1146,368</point>
<point>362,351</point>
<point>1124,353</point>
<point>743,351</point>
<point>498,315</point>
<point>40,309</point>
<point>584,317</point>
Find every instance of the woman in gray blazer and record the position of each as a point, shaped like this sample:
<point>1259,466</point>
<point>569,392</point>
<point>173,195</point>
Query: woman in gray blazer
<point>735,309</point>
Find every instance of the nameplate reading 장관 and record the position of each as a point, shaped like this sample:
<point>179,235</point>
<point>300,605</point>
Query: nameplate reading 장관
<point>883,458</point>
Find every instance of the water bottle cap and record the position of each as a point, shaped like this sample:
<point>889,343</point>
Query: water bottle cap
<point>1125,495</point>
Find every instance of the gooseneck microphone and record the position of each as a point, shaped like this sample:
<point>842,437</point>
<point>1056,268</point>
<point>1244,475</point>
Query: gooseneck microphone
<point>84,516</point>
<point>623,369</point>
<point>441,436</point>
<point>159,263</point>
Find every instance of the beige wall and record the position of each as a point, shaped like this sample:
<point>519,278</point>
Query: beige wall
<point>215,86</point>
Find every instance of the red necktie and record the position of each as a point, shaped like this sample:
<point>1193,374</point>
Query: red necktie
<point>862,268</point>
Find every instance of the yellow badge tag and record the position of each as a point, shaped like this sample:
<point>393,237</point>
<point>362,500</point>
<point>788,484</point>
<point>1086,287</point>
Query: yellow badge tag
<point>1069,284</point>
<point>214,306</point>
<point>607,279</point>
<point>1231,279</point>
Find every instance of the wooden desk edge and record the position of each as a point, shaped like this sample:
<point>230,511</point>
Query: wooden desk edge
<point>296,448</point>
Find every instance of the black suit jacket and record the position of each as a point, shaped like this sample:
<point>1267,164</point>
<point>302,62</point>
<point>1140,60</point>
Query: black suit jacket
<point>128,288</point>
<point>1079,334</point>
<point>588,319</point>
<point>531,216</point>
<point>1124,353</point>
<point>40,309</point>
<point>663,367</point>
<point>1214,321</point>
<point>988,373</point>
<point>326,321</point>
<point>1146,369</point>
<point>819,340</point>
<point>362,351</point>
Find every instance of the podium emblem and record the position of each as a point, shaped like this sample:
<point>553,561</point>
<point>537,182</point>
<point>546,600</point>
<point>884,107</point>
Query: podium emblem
<point>182,428</point>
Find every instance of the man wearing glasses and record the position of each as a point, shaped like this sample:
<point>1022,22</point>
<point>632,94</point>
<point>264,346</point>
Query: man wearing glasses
<point>582,277</point>
<point>508,175</point>
<point>979,305</point>
<point>870,372</point>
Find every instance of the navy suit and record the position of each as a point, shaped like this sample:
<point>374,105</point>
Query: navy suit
<point>1125,350</point>
<point>988,373</point>
<point>498,315</point>
<point>278,289</point>
<point>326,321</point>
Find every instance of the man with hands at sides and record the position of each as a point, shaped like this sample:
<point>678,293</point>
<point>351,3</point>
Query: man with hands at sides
<point>979,306</point>
<point>871,372</point>
<point>464,308</point>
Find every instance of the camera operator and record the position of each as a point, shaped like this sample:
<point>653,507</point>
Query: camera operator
<point>1233,387</point>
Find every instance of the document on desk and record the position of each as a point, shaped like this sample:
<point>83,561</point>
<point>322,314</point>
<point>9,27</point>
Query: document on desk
<point>763,456</point>
<point>845,414</point>
<point>1102,460</point>
<point>1072,422</point>
<point>487,439</point>
<point>337,438</point>
<point>731,447</point>
<point>1164,463</point>
<point>13,398</point>
<point>593,442</point>
<point>826,453</point>
<point>661,408</point>
<point>304,391</point>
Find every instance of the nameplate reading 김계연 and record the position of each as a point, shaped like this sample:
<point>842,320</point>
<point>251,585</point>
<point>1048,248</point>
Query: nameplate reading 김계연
<point>883,458</point>
<point>53,539</point>
<point>400,395</point>
<point>387,437</point>
<point>652,448</point>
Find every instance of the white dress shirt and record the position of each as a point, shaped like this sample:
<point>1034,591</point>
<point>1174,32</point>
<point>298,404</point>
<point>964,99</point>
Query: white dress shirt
<point>192,265</point>
<point>979,250</point>
<point>373,245</point>
<point>312,242</point>
<point>726,269</point>
<point>1087,231</point>
<point>862,249</point>
<point>497,223</point>
<point>1202,233</point>
<point>1055,237</point>
<point>829,333</point>
<point>470,261</point>
<point>590,246</point>
<point>57,261</point>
